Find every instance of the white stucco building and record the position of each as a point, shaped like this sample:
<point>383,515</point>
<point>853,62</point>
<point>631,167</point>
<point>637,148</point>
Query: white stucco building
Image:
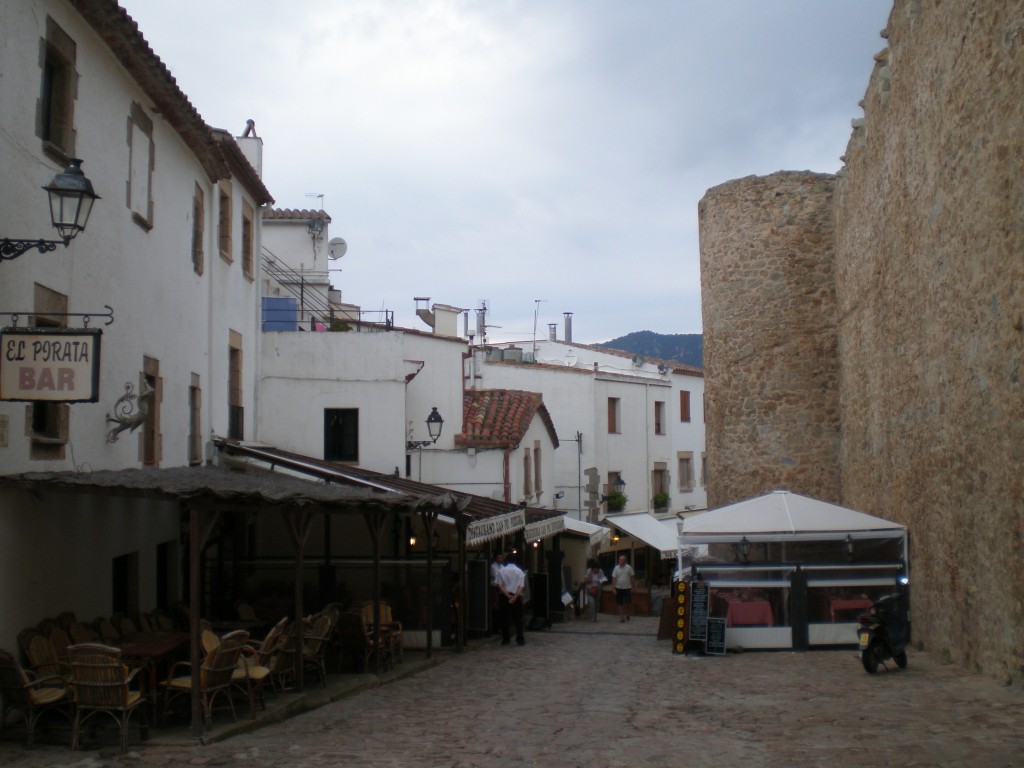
<point>165,269</point>
<point>635,420</point>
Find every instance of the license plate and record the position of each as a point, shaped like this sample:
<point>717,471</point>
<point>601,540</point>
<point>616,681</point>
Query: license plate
<point>865,637</point>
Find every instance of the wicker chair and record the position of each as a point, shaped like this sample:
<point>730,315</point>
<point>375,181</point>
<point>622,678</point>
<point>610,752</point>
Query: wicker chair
<point>33,696</point>
<point>314,649</point>
<point>106,630</point>
<point>390,632</point>
<point>44,658</point>
<point>60,641</point>
<point>82,633</point>
<point>101,684</point>
<point>258,664</point>
<point>215,675</point>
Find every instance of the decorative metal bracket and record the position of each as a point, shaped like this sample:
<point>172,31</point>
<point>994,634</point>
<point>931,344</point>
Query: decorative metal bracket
<point>12,249</point>
<point>86,316</point>
<point>130,410</point>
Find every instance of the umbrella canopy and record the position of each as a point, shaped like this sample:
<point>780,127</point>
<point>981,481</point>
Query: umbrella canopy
<point>784,516</point>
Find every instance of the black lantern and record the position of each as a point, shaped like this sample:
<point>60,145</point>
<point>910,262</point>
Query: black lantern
<point>434,425</point>
<point>71,197</point>
<point>744,548</point>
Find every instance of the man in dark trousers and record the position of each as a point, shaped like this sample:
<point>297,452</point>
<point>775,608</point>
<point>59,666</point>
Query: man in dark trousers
<point>511,582</point>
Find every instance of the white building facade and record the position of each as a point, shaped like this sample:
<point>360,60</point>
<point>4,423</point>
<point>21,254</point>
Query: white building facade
<point>165,269</point>
<point>617,417</point>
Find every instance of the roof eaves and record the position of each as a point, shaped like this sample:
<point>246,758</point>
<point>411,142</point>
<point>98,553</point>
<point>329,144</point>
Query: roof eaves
<point>121,34</point>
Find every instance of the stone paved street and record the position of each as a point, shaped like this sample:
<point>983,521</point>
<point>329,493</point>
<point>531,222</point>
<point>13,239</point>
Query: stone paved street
<point>585,694</point>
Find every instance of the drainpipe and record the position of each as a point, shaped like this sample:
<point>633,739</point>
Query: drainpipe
<point>506,471</point>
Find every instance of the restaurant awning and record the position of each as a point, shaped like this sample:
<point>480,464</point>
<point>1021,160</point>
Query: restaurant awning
<point>784,516</point>
<point>594,532</point>
<point>487,518</point>
<point>657,534</point>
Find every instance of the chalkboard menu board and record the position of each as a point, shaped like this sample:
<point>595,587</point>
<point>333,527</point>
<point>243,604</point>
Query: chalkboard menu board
<point>698,610</point>
<point>716,637</point>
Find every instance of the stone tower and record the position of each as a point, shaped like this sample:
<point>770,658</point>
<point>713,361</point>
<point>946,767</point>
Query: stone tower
<point>766,258</point>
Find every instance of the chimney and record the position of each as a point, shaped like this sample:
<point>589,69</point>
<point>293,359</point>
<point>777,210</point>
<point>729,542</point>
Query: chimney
<point>552,331</point>
<point>568,327</point>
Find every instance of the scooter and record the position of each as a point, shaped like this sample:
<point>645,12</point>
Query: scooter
<point>883,633</point>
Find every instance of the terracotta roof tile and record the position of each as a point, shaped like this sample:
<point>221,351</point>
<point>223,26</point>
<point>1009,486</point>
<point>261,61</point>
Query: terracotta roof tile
<point>499,418</point>
<point>296,214</point>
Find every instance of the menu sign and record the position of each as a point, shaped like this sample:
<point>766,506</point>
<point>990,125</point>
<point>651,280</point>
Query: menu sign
<point>698,610</point>
<point>715,643</point>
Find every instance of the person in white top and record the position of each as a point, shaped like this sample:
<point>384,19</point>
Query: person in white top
<point>624,580</point>
<point>593,582</point>
<point>511,582</point>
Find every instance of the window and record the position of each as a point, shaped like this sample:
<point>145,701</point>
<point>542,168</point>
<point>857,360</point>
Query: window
<point>538,487</point>
<point>140,166</point>
<point>614,416</point>
<point>195,429</point>
<point>236,411</point>
<point>703,470</point>
<point>151,439</point>
<point>55,112</point>
<point>659,478</point>
<point>341,434</point>
<point>684,405</point>
<point>198,226</point>
<point>527,473</point>
<point>47,424</point>
<point>247,219</point>
<point>685,459</point>
<point>224,219</point>
<point>659,417</point>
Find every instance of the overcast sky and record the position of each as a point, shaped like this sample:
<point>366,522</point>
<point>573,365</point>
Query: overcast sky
<point>515,150</point>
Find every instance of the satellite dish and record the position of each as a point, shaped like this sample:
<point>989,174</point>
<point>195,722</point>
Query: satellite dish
<point>336,248</point>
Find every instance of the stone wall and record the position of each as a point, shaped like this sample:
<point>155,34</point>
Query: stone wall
<point>930,280</point>
<point>771,377</point>
<point>929,283</point>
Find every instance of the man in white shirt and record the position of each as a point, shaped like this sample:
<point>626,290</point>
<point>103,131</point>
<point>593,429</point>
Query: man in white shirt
<point>511,582</point>
<point>624,580</point>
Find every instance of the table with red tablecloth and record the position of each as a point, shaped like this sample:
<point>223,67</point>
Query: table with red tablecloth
<point>747,611</point>
<point>841,604</point>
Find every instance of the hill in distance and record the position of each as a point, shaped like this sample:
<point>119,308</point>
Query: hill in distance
<point>685,348</point>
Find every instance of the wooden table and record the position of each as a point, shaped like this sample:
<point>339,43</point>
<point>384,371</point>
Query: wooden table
<point>156,652</point>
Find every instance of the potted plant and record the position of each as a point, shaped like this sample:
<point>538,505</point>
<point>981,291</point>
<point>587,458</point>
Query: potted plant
<point>616,501</point>
<point>661,500</point>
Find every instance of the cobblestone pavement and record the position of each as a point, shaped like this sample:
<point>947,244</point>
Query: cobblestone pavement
<point>602,694</point>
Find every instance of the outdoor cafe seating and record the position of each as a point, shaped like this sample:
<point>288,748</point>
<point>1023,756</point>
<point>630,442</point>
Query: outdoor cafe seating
<point>30,694</point>
<point>216,676</point>
<point>102,684</point>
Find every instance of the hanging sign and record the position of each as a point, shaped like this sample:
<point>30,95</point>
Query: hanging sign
<point>544,528</point>
<point>492,527</point>
<point>57,365</point>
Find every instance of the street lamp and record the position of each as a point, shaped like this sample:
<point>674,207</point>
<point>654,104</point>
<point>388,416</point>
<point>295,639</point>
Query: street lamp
<point>744,548</point>
<point>71,198</point>
<point>434,425</point>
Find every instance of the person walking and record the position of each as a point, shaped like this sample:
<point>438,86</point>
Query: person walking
<point>593,582</point>
<point>624,580</point>
<point>511,582</point>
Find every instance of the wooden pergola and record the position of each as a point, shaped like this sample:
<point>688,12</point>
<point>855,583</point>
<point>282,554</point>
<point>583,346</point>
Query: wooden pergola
<point>205,493</point>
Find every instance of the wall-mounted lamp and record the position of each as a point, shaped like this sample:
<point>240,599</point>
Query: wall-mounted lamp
<point>315,227</point>
<point>71,198</point>
<point>744,549</point>
<point>434,426</point>
<point>849,547</point>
